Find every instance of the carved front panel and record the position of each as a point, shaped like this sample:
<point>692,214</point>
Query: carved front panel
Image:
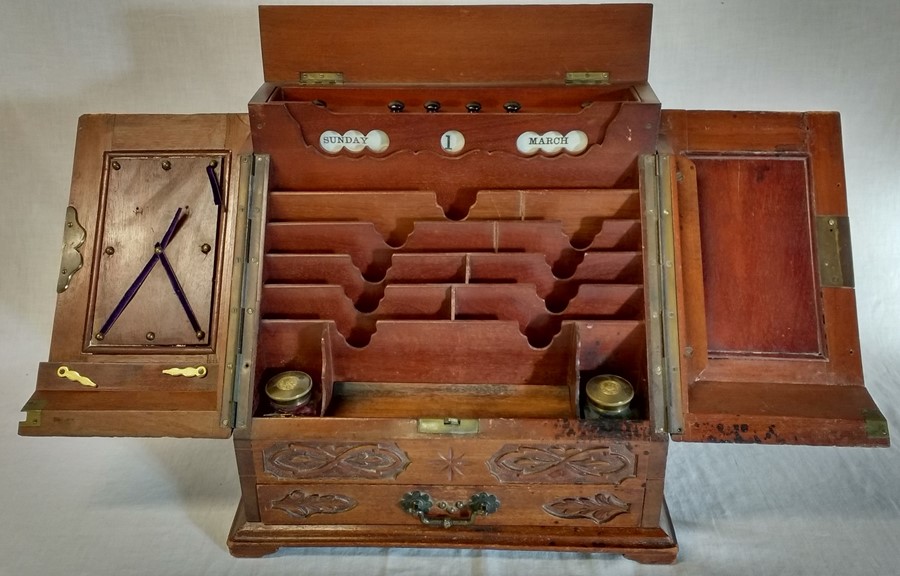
<point>340,460</point>
<point>602,464</point>
<point>432,509</point>
<point>600,508</point>
<point>300,504</point>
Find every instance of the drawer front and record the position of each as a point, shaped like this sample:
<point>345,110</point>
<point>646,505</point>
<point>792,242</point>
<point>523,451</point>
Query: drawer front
<point>447,460</point>
<point>450,506</point>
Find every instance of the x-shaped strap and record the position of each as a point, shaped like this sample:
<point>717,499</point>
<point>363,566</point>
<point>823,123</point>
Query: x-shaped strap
<point>159,255</point>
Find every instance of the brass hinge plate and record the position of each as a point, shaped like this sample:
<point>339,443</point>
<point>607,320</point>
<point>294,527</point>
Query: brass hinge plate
<point>876,424</point>
<point>230,398</point>
<point>456,426</point>
<point>589,78</point>
<point>32,410</point>
<point>321,78</point>
<point>246,336</point>
<point>833,251</point>
<point>657,187</point>
<point>73,239</point>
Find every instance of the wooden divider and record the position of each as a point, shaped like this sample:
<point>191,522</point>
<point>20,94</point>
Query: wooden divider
<point>531,287</point>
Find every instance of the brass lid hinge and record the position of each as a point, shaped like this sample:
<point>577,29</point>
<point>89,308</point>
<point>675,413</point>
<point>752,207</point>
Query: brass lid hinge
<point>833,251</point>
<point>321,78</point>
<point>587,78</point>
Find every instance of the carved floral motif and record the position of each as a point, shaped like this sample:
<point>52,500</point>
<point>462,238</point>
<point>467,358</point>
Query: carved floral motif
<point>347,460</point>
<point>599,509</point>
<point>558,463</point>
<point>302,505</point>
<point>451,463</point>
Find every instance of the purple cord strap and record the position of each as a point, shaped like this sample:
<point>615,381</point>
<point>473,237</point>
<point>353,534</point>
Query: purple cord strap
<point>214,184</point>
<point>158,255</point>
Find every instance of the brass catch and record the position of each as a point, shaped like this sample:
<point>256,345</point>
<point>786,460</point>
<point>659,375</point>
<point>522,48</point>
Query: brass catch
<point>589,78</point>
<point>65,372</point>
<point>448,426</point>
<point>73,239</point>
<point>321,78</point>
<point>189,372</point>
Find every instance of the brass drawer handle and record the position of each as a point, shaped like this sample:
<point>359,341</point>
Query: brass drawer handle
<point>419,503</point>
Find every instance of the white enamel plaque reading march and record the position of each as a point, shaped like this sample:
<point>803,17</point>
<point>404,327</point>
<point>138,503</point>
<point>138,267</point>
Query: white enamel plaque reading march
<point>354,141</point>
<point>574,142</point>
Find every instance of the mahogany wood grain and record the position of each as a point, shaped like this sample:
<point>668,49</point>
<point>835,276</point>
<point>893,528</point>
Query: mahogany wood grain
<point>299,164</point>
<point>532,268</point>
<point>135,377</point>
<point>490,131</point>
<point>129,395</point>
<point>510,430</point>
<point>139,201</point>
<point>560,450</point>
<point>412,42</point>
<point>380,505</point>
<point>758,266</point>
<point>735,397</point>
<point>392,213</point>
<point>372,255</point>
<point>181,422</point>
<point>355,99</point>
<point>654,545</point>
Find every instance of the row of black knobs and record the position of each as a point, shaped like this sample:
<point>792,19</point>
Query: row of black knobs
<point>435,106</point>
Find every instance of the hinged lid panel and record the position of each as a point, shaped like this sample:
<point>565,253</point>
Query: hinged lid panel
<point>768,337</point>
<point>144,311</point>
<point>456,44</point>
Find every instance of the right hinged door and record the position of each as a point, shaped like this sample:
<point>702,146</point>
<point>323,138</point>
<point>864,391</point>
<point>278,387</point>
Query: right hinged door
<point>767,331</point>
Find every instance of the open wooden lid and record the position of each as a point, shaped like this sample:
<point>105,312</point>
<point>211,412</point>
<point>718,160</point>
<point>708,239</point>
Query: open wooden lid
<point>456,44</point>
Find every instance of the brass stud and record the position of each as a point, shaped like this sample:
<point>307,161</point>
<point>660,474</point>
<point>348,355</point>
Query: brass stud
<point>213,163</point>
<point>205,248</point>
<point>151,336</point>
<point>98,336</point>
<point>200,334</point>
<point>110,250</point>
<point>166,165</point>
<point>115,165</point>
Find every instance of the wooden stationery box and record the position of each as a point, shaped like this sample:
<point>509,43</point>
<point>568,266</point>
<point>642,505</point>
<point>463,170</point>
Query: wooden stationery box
<point>470,257</point>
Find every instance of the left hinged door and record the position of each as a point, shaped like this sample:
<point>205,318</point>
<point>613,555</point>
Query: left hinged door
<point>149,280</point>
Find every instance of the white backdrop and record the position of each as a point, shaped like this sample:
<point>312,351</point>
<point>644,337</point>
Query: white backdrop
<point>137,506</point>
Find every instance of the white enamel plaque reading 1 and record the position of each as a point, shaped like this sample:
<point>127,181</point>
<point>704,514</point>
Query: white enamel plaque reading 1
<point>453,141</point>
<point>354,141</point>
<point>574,142</point>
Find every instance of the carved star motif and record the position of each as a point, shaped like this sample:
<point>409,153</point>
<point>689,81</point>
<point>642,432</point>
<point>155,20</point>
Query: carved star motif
<point>451,464</point>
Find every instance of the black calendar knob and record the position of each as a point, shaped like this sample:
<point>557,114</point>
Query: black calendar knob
<point>473,107</point>
<point>396,106</point>
<point>512,106</point>
<point>432,106</point>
